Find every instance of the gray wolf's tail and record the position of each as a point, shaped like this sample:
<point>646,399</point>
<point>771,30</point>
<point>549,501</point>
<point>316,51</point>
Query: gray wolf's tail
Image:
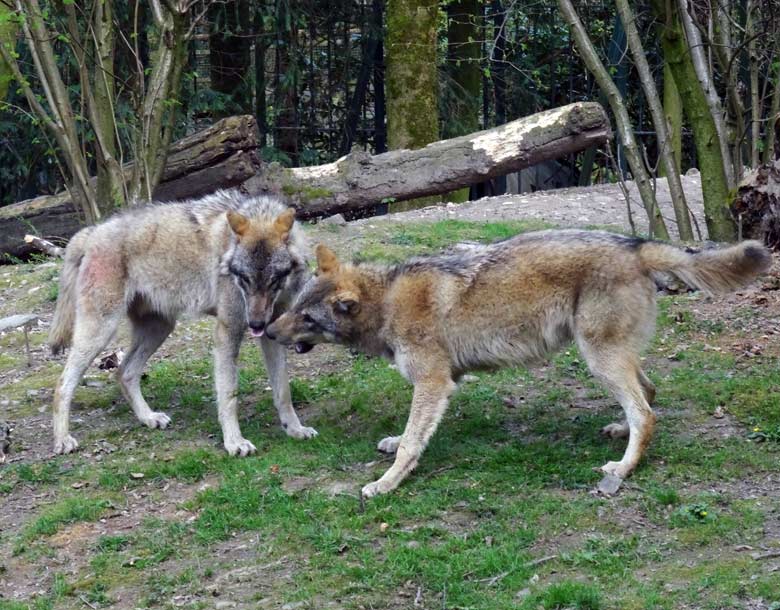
<point>716,271</point>
<point>61,330</point>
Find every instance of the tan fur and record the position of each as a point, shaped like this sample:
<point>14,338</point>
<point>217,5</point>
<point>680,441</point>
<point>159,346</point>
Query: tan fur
<point>511,303</point>
<point>238,258</point>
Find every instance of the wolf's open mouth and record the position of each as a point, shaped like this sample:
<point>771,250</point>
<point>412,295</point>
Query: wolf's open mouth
<point>301,347</point>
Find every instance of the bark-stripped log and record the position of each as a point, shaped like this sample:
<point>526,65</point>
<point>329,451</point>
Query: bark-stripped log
<point>359,180</point>
<point>198,165</point>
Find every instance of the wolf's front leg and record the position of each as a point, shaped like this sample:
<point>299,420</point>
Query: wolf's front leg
<point>430,400</point>
<point>227,341</point>
<point>276,364</point>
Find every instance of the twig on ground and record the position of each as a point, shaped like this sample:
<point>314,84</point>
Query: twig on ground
<point>85,601</point>
<point>540,561</point>
<point>767,555</point>
<point>493,579</point>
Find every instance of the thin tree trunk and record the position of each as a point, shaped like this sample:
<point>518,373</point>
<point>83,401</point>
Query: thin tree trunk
<point>681,212</point>
<point>772,120</point>
<point>380,108</point>
<point>756,109</point>
<point>704,76</point>
<point>724,54</point>
<point>625,130</point>
<point>673,112</point>
<point>720,224</point>
<point>463,56</point>
<point>358,98</point>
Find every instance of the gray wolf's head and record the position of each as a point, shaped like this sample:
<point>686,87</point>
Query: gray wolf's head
<point>266,265</point>
<point>327,308</point>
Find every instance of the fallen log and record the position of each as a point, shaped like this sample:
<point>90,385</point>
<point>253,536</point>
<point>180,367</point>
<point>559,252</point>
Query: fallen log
<point>44,246</point>
<point>360,180</point>
<point>226,155</point>
<point>221,156</point>
<point>757,205</point>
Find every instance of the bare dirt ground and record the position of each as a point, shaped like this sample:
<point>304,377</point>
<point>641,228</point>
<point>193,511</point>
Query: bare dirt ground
<point>602,205</point>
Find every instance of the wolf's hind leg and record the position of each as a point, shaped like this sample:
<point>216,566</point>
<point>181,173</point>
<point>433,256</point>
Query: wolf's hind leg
<point>227,342</point>
<point>618,368</point>
<point>621,429</point>
<point>90,335</point>
<point>148,333</point>
<point>276,364</point>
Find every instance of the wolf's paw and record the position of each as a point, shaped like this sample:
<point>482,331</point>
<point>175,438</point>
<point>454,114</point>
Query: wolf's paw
<point>157,419</point>
<point>240,447</point>
<point>389,444</point>
<point>67,444</point>
<point>376,488</point>
<point>300,432</point>
<point>616,430</point>
<point>619,469</point>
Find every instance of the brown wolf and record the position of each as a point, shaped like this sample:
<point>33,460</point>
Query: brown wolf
<point>513,302</point>
<point>238,258</point>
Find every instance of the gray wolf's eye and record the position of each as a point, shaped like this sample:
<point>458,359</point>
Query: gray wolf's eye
<point>309,321</point>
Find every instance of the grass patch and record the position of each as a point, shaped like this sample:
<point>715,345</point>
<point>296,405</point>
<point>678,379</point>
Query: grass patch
<point>395,242</point>
<point>64,512</point>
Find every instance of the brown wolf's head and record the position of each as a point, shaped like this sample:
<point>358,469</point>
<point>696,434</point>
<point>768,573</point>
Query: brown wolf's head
<point>265,265</point>
<point>327,309</point>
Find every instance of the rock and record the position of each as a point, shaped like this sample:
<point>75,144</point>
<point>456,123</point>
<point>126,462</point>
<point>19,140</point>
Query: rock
<point>523,593</point>
<point>412,544</point>
<point>609,485</point>
<point>222,604</point>
<point>336,219</point>
<point>692,172</point>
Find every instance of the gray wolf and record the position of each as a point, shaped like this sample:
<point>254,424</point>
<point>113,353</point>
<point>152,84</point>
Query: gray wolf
<point>509,303</point>
<point>240,259</point>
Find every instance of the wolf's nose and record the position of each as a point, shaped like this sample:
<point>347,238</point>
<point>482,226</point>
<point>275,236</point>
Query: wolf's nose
<point>256,327</point>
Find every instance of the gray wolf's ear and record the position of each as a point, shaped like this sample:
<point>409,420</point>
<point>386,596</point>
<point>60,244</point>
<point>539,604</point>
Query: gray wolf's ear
<point>238,223</point>
<point>326,259</point>
<point>283,223</point>
<point>347,303</point>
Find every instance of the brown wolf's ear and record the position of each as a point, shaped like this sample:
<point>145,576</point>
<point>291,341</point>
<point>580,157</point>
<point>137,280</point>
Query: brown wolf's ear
<point>347,303</point>
<point>284,222</point>
<point>326,260</point>
<point>238,222</point>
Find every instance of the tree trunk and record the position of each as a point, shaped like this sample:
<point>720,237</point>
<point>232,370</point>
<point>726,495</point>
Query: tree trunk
<point>225,156</point>
<point>463,57</point>
<point>673,112</point>
<point>715,190</point>
<point>286,81</point>
<point>681,212</point>
<point>756,109</point>
<point>229,51</point>
<point>772,121</point>
<point>625,129</point>
<point>703,74</point>
<point>411,76</point>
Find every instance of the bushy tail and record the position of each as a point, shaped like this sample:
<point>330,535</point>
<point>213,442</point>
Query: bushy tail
<point>61,330</point>
<point>716,271</point>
